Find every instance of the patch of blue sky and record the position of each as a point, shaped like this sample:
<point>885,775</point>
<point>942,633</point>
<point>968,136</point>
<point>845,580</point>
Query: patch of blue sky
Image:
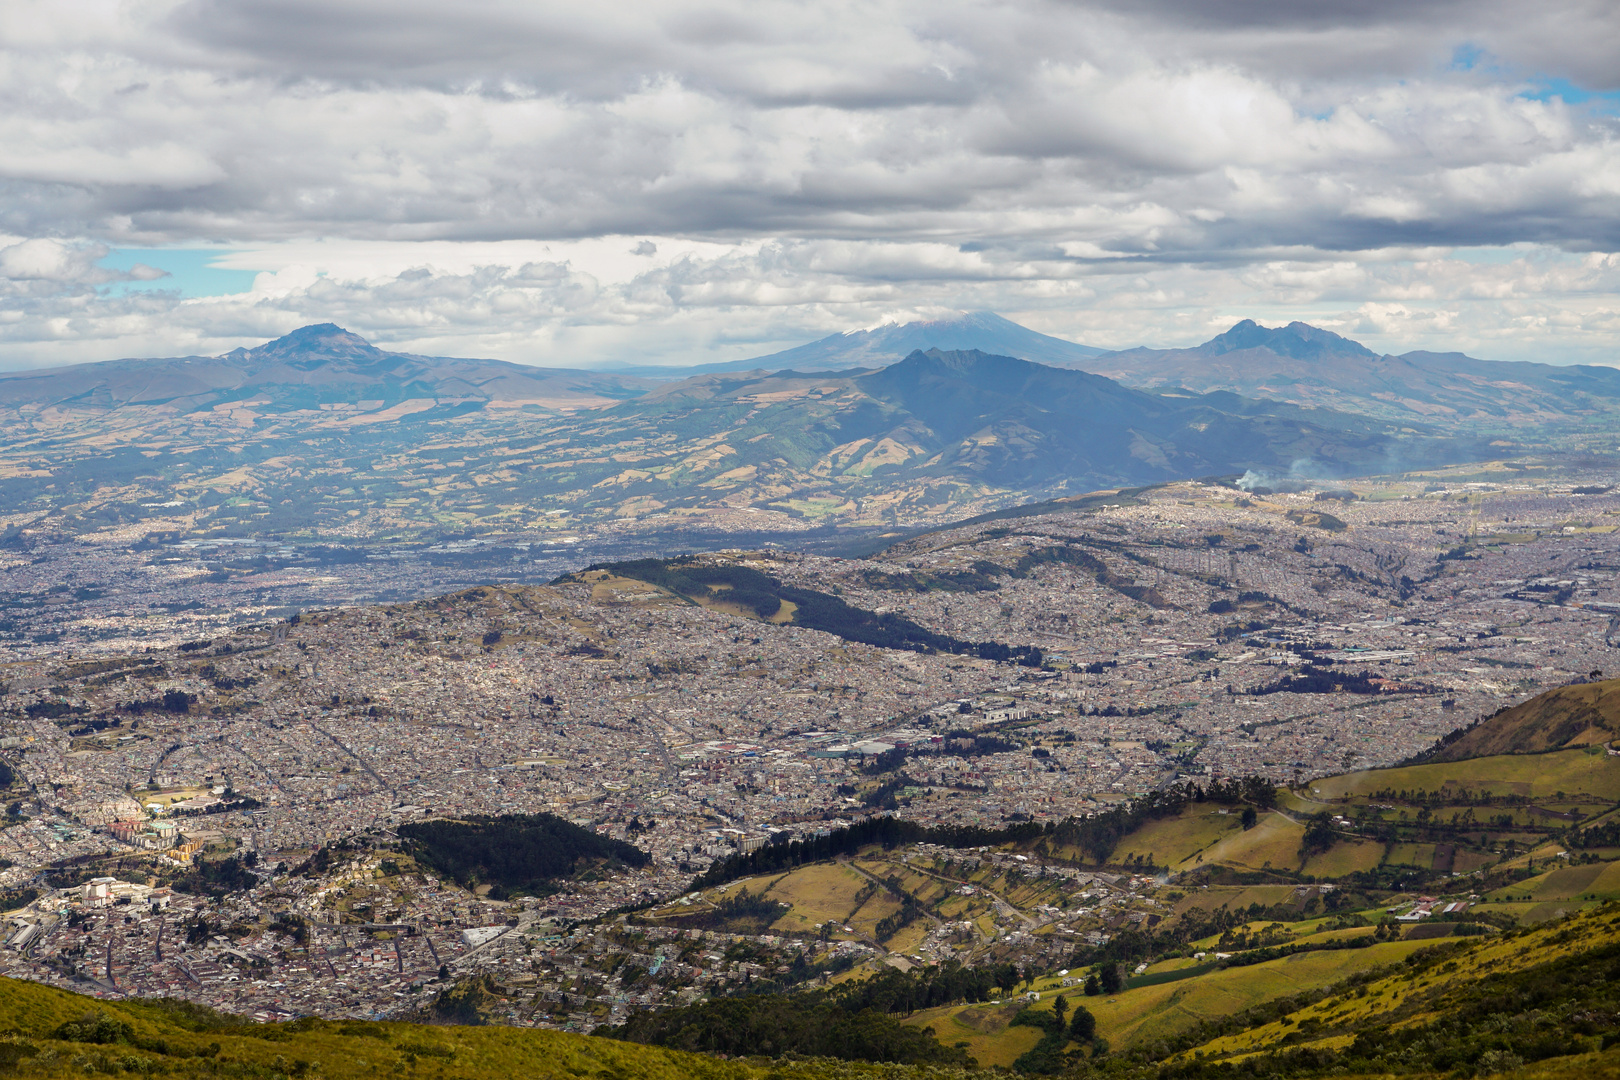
<point>189,271</point>
<point>1467,57</point>
<point>1498,255</point>
<point>1607,101</point>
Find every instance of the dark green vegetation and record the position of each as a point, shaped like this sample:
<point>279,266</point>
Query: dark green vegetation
<point>752,590</point>
<point>813,1023</point>
<point>741,913</point>
<point>218,878</point>
<point>886,832</point>
<point>53,1033</point>
<point>514,853</point>
<point>855,1021</point>
<point>1096,836</point>
<point>1538,1004</point>
<point>1059,1030</point>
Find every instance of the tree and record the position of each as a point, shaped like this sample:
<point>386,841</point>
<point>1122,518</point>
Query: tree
<point>1092,987</point>
<point>1083,1025</point>
<point>1250,818</point>
<point>1059,1007</point>
<point>444,971</point>
<point>1111,982</point>
<point>1319,835</point>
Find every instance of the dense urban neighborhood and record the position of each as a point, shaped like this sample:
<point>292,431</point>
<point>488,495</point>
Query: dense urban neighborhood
<point>221,817</point>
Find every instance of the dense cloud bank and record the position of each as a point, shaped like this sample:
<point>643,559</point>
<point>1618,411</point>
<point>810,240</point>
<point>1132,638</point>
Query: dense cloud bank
<point>674,181</point>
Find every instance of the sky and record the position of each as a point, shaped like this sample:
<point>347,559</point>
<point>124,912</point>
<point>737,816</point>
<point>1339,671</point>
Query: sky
<point>661,183</point>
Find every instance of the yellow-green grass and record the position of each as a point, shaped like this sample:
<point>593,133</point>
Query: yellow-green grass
<point>170,796</point>
<point>963,908</point>
<point>1346,857</point>
<point>1172,841</point>
<point>1274,842</point>
<point>881,905</point>
<point>1371,1004</point>
<point>1154,1012</point>
<point>1599,881</point>
<point>819,893</point>
<point>925,888</point>
<point>1176,964</point>
<point>1536,776</point>
<point>1235,897</point>
<point>1318,936</point>
<point>492,1052</point>
<point>1467,860</point>
<point>983,1028</point>
<point>908,939</point>
<point>1419,855</point>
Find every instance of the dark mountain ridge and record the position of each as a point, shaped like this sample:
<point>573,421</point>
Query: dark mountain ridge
<point>314,366</point>
<point>969,417</point>
<point>883,345</point>
<point>1306,365</point>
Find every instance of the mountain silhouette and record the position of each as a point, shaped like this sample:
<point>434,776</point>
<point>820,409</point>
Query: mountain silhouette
<point>1307,365</point>
<point>882,345</point>
<point>313,367</point>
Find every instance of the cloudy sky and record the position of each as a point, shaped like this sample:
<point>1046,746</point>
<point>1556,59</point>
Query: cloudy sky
<point>575,184</point>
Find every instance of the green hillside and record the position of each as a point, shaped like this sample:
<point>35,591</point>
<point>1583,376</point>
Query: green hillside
<point>1540,1004</point>
<point>55,1033</point>
<point>1585,714</point>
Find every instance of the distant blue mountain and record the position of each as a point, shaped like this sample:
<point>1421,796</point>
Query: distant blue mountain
<point>887,344</point>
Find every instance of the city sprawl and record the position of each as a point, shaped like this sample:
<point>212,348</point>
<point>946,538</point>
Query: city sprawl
<point>1187,632</point>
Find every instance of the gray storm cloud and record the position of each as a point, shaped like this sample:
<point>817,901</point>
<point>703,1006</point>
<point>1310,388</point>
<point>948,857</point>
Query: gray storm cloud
<point>1174,158</point>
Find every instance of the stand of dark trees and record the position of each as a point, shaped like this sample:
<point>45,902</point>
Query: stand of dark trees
<point>1321,680</point>
<point>813,1024</point>
<point>1096,836</point>
<point>742,913</point>
<point>971,580</point>
<point>854,1021</point>
<point>175,701</point>
<point>515,853</point>
<point>886,831</point>
<point>217,878</point>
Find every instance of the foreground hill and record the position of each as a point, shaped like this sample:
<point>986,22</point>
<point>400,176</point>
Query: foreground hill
<point>1309,366</point>
<point>1541,1003</point>
<point>1585,714</point>
<point>313,368</point>
<point>53,1032</point>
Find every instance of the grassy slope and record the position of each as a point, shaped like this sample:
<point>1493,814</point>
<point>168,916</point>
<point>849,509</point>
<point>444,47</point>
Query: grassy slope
<point>1569,716</point>
<point>1154,1012</point>
<point>34,1011</point>
<point>1405,999</point>
<point>1536,776</point>
<point>1200,835</point>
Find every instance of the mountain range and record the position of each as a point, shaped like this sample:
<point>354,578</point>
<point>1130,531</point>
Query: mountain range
<point>881,346</point>
<point>945,430</point>
<point>320,425</point>
<point>314,368</point>
<point>1310,366</point>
